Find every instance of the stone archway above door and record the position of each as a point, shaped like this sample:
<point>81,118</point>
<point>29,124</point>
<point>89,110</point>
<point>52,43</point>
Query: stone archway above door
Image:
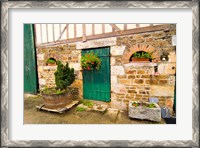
<point>140,47</point>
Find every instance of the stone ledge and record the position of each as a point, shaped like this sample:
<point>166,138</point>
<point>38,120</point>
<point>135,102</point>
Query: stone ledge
<point>96,43</point>
<point>139,64</point>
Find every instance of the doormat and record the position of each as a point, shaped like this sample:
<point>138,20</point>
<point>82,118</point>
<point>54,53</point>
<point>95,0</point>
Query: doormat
<point>59,110</point>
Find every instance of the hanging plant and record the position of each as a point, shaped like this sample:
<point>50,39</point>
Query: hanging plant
<point>90,61</point>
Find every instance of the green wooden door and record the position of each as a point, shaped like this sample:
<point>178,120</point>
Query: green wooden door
<point>96,83</point>
<point>30,75</point>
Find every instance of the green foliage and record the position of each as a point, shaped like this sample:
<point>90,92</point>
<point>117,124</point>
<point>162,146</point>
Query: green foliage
<point>64,76</point>
<point>87,103</point>
<point>90,61</point>
<point>51,61</point>
<point>142,55</point>
<point>52,91</point>
<point>151,105</point>
<point>80,109</point>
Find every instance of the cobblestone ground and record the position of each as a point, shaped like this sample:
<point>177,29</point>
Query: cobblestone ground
<point>111,116</point>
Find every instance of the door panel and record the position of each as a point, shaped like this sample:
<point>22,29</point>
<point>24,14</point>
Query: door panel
<point>96,83</point>
<point>30,75</point>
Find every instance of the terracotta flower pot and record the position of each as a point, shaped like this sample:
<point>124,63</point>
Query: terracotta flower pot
<point>51,64</point>
<point>140,60</point>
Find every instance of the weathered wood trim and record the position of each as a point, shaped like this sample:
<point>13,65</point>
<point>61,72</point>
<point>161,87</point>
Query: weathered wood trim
<point>47,33</point>
<point>125,26</point>
<point>111,34</point>
<point>41,33</point>
<point>103,28</point>
<point>84,32</point>
<point>93,29</point>
<point>53,31</point>
<point>67,32</point>
<point>115,27</point>
<point>75,31</point>
<point>60,28</point>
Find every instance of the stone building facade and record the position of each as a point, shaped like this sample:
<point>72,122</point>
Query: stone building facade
<point>129,80</point>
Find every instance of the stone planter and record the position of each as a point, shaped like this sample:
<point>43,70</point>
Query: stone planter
<point>141,112</point>
<point>54,101</point>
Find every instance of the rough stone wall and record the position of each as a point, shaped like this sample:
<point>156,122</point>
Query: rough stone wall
<point>136,81</point>
<point>64,53</point>
<point>129,81</point>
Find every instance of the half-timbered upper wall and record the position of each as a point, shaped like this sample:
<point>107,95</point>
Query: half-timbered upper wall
<point>48,33</point>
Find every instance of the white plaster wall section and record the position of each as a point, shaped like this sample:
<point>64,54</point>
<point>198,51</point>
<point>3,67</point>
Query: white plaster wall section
<point>80,30</point>
<point>88,29</point>
<point>71,30</point>
<point>38,33</point>
<point>108,28</point>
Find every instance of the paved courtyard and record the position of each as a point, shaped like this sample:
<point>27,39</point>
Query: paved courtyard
<point>111,116</point>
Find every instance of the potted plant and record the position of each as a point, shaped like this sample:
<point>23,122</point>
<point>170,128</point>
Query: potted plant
<point>141,57</point>
<point>51,62</point>
<point>61,95</point>
<point>145,110</point>
<point>90,61</point>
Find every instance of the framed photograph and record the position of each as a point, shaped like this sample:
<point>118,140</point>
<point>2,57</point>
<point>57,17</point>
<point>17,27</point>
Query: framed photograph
<point>100,73</point>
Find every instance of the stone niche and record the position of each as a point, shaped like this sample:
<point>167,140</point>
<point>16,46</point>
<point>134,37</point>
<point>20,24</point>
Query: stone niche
<point>140,47</point>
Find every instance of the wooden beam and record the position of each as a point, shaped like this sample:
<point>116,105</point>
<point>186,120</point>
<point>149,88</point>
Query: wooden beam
<point>41,32</point>
<point>103,28</point>
<point>47,33</point>
<point>113,30</point>
<point>125,26</point>
<point>67,32</point>
<point>53,32</point>
<point>111,34</point>
<point>63,32</point>
<point>75,31</point>
<point>93,29</point>
<point>115,27</point>
<point>84,32</point>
